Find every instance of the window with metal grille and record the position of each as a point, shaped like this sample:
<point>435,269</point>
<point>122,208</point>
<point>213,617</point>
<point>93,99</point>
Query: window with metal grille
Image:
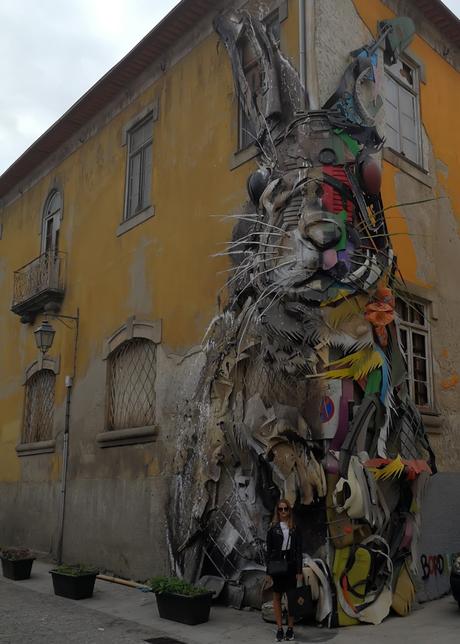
<point>402,110</point>
<point>39,407</point>
<point>139,170</point>
<point>414,332</point>
<point>252,71</point>
<point>131,384</point>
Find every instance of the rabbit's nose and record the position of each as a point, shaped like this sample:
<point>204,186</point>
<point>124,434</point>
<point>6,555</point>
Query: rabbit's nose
<point>320,229</point>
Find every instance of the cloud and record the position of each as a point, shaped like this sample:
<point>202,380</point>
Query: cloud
<point>52,52</point>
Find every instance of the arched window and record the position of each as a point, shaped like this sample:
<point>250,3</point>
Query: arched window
<point>52,214</point>
<point>39,407</point>
<point>131,384</point>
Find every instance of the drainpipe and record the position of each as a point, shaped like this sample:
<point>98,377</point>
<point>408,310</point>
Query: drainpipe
<point>65,462</point>
<point>302,51</point>
<point>312,72</point>
<point>307,66</point>
<point>69,380</point>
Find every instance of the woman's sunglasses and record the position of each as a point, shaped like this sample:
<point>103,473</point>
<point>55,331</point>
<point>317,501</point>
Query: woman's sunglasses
<point>283,508</point>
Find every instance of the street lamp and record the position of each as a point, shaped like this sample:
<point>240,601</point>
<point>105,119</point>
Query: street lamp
<point>44,336</point>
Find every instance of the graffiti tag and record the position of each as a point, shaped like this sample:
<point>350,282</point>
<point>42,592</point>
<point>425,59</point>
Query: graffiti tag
<point>436,565</point>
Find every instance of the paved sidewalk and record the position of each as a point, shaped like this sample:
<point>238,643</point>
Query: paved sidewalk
<point>30,612</point>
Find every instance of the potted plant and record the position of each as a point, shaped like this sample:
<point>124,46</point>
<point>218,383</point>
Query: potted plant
<point>16,563</point>
<point>180,601</point>
<point>75,582</point>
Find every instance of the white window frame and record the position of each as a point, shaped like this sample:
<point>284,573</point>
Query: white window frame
<point>410,328</point>
<point>414,92</point>
<point>145,172</point>
<point>128,223</point>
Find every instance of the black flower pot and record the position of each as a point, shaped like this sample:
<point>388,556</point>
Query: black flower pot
<point>183,608</point>
<point>74,586</point>
<point>17,569</point>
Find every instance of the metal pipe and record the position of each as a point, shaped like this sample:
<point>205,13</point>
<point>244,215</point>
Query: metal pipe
<point>302,50</point>
<point>65,447</point>
<point>65,461</point>
<point>310,56</point>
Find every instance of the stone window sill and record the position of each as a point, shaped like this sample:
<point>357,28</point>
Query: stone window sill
<point>131,436</point>
<point>409,167</point>
<point>40,447</point>
<point>132,222</point>
<point>433,422</point>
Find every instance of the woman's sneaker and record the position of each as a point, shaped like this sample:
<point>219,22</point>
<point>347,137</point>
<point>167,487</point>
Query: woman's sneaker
<point>289,635</point>
<point>279,635</point>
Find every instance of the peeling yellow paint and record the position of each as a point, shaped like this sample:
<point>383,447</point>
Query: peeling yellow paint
<point>398,228</point>
<point>439,115</point>
<point>451,382</point>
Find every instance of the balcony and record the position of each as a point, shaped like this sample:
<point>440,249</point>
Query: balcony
<point>39,286</point>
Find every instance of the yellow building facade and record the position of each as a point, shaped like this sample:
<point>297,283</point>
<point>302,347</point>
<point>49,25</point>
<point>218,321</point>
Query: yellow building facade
<point>147,273</point>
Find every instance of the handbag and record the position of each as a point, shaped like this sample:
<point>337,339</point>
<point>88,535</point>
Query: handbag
<point>277,567</point>
<point>300,603</point>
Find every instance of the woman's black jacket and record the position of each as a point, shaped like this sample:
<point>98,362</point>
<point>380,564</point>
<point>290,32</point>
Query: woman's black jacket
<point>275,542</point>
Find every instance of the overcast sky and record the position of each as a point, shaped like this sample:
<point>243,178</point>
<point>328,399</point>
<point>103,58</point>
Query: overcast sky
<point>52,51</point>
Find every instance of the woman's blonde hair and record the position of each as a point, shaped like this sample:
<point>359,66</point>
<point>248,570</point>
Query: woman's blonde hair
<point>276,516</point>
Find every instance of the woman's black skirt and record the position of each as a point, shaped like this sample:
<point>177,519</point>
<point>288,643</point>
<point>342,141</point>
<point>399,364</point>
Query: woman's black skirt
<point>283,583</point>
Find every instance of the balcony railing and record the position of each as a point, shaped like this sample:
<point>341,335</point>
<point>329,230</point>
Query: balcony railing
<point>39,285</point>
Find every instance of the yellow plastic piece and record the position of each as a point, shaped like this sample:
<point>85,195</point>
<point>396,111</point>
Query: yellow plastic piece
<point>356,365</point>
<point>404,592</point>
<point>358,574</point>
<point>394,469</point>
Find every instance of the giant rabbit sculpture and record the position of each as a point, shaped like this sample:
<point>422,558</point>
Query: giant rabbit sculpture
<point>304,392</point>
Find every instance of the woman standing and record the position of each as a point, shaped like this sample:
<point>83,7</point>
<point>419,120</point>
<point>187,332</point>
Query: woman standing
<point>284,542</point>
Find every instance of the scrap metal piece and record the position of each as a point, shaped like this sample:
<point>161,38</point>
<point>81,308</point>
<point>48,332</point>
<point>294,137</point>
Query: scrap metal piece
<point>398,34</point>
<point>266,106</point>
<point>212,583</point>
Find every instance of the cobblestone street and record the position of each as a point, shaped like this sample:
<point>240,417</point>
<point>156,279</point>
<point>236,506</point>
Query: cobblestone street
<point>30,613</point>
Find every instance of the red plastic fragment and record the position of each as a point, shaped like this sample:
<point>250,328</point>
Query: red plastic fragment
<point>332,199</point>
<point>370,176</point>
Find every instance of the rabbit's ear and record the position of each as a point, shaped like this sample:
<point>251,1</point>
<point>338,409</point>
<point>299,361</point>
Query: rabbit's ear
<point>255,70</point>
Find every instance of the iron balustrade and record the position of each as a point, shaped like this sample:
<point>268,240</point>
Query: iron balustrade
<point>41,279</point>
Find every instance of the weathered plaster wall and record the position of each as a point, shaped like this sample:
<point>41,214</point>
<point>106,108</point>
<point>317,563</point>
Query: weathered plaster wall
<point>440,536</point>
<point>160,270</point>
<point>339,30</point>
<point>426,237</point>
<point>426,240</point>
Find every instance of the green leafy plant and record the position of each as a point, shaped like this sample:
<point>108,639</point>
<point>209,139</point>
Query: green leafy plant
<point>176,586</point>
<point>75,570</point>
<point>16,554</point>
